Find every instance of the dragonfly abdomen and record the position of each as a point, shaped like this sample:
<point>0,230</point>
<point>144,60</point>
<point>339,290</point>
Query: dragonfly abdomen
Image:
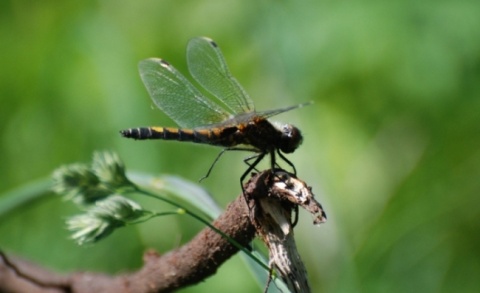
<point>207,136</point>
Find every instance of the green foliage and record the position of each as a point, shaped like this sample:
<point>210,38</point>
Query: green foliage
<point>391,144</point>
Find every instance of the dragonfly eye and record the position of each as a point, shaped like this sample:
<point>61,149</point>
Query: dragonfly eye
<point>291,138</point>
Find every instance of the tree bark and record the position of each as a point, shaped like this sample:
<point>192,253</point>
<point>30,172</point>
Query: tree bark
<point>184,266</point>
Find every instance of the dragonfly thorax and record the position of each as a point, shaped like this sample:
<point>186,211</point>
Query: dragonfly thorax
<point>291,138</point>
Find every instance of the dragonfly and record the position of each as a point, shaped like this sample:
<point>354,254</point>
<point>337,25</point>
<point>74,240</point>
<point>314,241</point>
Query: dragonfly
<point>228,120</point>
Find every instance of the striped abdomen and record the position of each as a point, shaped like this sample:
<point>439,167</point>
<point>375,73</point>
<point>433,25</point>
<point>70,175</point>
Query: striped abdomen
<point>215,136</point>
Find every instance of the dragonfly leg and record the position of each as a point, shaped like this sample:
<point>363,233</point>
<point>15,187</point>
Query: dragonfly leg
<point>213,165</point>
<point>273,162</point>
<point>258,157</point>
<point>218,157</point>
<point>295,210</point>
<point>287,161</point>
<point>251,167</point>
<point>247,161</point>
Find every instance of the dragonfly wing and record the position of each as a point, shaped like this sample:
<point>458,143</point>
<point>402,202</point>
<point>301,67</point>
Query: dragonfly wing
<point>270,113</point>
<point>177,97</point>
<point>207,65</point>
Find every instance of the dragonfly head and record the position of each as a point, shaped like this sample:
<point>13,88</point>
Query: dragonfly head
<point>291,138</point>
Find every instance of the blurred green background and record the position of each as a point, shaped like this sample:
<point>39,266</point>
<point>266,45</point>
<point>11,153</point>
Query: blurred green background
<point>391,149</point>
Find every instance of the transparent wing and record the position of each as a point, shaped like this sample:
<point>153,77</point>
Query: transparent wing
<point>208,67</point>
<point>177,97</point>
<point>270,113</point>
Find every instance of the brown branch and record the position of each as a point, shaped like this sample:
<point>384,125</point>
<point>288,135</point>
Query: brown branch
<point>181,267</point>
<point>271,199</point>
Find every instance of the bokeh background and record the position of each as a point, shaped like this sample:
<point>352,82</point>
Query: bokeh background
<point>391,149</point>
